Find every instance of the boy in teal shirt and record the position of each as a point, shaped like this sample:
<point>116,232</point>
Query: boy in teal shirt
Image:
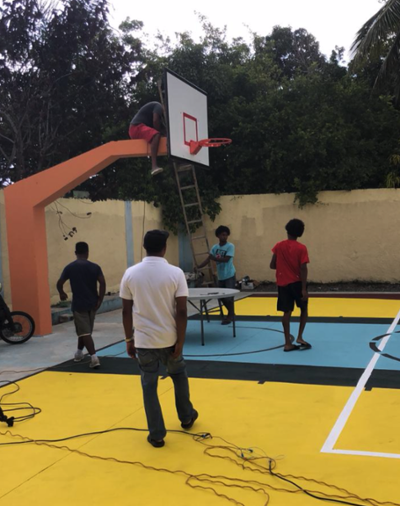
<point>222,254</point>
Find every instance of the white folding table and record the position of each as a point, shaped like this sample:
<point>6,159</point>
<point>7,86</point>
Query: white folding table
<point>205,295</point>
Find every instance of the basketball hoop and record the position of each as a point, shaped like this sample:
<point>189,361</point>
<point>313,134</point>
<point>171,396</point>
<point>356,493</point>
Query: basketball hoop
<point>215,142</point>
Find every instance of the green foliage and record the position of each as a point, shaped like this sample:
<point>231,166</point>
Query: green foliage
<point>377,48</point>
<point>62,82</point>
<point>299,122</point>
<point>393,177</point>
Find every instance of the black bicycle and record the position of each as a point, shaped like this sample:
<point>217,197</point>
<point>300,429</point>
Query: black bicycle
<point>16,327</point>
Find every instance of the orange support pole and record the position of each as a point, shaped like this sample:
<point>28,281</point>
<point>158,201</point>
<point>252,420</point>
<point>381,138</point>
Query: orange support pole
<point>25,204</point>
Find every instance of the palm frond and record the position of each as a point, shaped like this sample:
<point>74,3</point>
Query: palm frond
<point>372,35</point>
<point>390,64</point>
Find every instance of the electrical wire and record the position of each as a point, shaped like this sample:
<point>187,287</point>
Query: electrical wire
<point>246,352</point>
<point>61,224</point>
<point>10,371</point>
<point>87,217</point>
<point>229,354</point>
<point>144,218</point>
<point>12,407</point>
<point>64,228</point>
<point>246,458</point>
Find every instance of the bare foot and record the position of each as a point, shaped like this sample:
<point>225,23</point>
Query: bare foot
<point>293,347</point>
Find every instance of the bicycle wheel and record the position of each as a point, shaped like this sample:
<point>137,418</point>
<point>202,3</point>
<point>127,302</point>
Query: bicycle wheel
<point>24,327</point>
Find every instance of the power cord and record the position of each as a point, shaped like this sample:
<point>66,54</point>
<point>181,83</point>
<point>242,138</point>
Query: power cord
<point>227,354</point>
<point>312,494</point>
<point>246,458</point>
<point>15,406</point>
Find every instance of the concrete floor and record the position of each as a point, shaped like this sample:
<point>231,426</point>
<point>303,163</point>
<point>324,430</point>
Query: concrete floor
<point>18,361</point>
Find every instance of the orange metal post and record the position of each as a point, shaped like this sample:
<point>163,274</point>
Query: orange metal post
<point>25,204</point>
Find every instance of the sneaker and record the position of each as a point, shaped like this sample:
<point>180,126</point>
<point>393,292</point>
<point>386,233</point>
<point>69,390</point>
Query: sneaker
<point>156,443</point>
<point>155,171</point>
<point>189,425</point>
<point>94,362</point>
<point>78,357</point>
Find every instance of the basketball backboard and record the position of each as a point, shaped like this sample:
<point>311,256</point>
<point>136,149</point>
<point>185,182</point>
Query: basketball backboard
<point>187,119</point>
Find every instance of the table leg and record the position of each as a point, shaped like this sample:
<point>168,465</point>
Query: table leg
<point>202,322</point>
<point>234,319</point>
<point>206,309</point>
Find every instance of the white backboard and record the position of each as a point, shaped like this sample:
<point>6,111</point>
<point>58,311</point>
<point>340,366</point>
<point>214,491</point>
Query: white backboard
<point>187,120</point>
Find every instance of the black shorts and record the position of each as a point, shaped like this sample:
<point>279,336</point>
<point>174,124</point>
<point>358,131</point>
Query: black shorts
<point>288,295</point>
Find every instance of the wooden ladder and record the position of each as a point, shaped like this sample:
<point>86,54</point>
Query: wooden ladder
<point>194,220</point>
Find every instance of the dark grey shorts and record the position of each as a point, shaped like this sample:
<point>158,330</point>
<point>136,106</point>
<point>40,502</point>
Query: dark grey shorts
<point>227,283</point>
<point>84,321</point>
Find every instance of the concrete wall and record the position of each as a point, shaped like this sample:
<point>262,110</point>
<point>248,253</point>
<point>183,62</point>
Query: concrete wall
<point>103,230</point>
<point>152,220</point>
<point>350,235</point>
<point>114,232</point>
<point>107,233</point>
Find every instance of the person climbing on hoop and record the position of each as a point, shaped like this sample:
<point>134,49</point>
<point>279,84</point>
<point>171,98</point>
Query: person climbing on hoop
<point>148,124</point>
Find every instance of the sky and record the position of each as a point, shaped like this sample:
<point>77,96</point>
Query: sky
<point>333,23</point>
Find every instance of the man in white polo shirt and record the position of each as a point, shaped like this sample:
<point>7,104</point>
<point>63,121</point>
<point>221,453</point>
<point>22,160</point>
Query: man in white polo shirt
<point>154,313</point>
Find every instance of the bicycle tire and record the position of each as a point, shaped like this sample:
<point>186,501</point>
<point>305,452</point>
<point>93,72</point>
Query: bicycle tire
<point>27,324</point>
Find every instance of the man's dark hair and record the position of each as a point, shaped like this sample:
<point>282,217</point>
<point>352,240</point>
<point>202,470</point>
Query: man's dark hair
<point>81,248</point>
<point>295,228</point>
<point>221,229</point>
<point>155,241</point>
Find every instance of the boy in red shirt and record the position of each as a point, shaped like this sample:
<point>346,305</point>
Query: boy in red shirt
<point>290,259</point>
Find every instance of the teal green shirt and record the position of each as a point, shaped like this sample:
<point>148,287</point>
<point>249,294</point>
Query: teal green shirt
<point>225,270</point>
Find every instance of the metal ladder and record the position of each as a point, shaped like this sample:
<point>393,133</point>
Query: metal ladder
<point>194,220</point>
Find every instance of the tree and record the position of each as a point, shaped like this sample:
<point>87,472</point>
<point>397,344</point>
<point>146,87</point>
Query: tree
<point>378,43</point>
<point>295,52</point>
<point>63,80</point>
<point>299,122</point>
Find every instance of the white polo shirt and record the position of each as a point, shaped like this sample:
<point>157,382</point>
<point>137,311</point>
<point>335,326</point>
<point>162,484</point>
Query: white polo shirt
<point>153,285</point>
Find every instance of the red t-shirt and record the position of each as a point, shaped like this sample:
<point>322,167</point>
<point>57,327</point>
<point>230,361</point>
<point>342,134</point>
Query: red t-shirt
<point>290,255</point>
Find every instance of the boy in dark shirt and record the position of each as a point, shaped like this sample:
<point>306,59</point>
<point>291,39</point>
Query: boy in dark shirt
<point>147,124</point>
<point>290,259</point>
<point>84,276</point>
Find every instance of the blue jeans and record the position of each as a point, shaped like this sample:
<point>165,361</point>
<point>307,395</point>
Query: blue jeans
<point>149,361</point>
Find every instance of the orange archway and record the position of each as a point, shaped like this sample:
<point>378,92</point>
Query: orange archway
<point>25,204</point>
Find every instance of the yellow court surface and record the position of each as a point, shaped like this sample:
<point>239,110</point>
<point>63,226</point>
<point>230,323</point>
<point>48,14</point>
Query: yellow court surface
<point>265,411</point>
<point>288,422</point>
<point>323,307</point>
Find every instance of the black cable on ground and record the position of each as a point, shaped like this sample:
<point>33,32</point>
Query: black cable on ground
<point>310,494</point>
<point>227,354</point>
<point>12,407</point>
<point>240,456</point>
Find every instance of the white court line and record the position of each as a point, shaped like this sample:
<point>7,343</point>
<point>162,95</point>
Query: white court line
<point>366,454</point>
<point>349,406</point>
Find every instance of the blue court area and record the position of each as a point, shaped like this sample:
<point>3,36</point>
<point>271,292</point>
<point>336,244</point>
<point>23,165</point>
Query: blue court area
<point>333,344</point>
